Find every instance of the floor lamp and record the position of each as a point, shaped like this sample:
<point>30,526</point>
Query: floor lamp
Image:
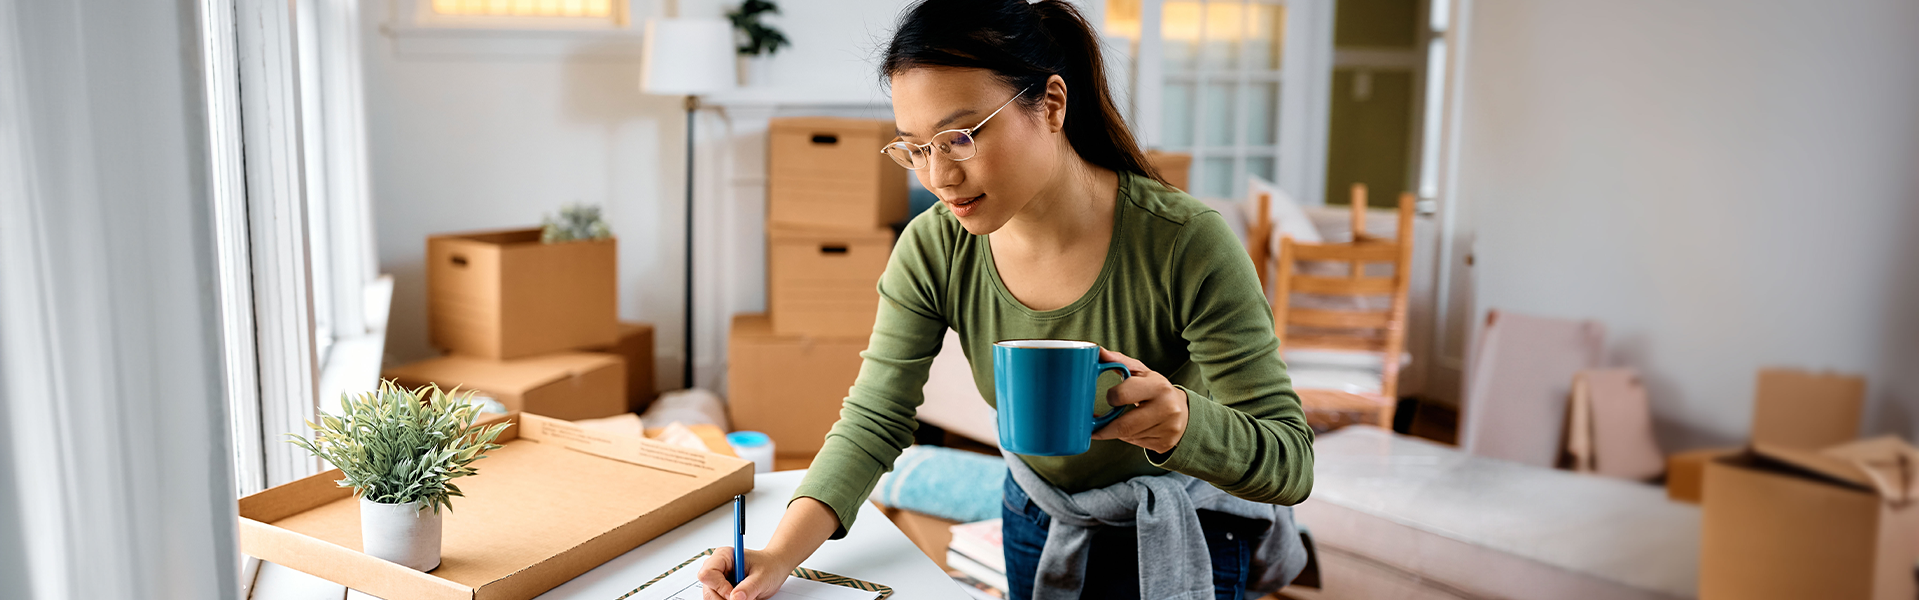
<point>688,57</point>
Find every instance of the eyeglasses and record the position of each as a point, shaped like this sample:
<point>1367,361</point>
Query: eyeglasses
<point>955,144</point>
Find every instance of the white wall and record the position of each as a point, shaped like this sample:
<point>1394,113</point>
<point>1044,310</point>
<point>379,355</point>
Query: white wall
<point>1727,184</point>
<point>470,142</point>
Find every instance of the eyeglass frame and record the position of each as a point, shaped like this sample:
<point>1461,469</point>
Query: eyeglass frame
<point>927,147</point>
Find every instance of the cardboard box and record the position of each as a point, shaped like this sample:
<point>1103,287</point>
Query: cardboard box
<point>824,283</point>
<point>1791,408</point>
<point>504,294</point>
<point>788,387</point>
<point>1176,167</point>
<point>1806,410</point>
<point>1686,472</point>
<point>522,527</point>
<point>828,172</point>
<point>931,534</point>
<point>1783,522</point>
<point>568,385</point>
<point>636,346</point>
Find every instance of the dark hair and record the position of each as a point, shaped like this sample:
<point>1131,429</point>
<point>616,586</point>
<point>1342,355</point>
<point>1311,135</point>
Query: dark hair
<point>1023,45</point>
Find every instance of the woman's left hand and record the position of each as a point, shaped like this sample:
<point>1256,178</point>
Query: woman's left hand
<point>1158,418</point>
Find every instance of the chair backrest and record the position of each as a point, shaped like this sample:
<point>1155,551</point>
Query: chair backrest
<point>1381,330</point>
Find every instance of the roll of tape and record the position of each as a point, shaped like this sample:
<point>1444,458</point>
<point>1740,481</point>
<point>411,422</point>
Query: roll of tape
<point>753,446</point>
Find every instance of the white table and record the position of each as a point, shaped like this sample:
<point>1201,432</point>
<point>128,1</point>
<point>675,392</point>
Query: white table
<point>874,550</point>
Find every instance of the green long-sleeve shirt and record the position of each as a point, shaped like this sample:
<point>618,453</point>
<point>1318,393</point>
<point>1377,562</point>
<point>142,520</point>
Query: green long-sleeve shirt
<point>1177,292</point>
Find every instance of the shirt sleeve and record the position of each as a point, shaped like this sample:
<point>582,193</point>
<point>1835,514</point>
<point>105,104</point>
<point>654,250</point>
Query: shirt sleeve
<point>877,417</point>
<point>1250,437</point>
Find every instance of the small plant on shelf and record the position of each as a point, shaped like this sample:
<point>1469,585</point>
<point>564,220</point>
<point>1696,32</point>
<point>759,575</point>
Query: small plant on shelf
<point>757,38</point>
<point>575,222</point>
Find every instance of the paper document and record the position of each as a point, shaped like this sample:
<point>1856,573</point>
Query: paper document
<point>682,583</point>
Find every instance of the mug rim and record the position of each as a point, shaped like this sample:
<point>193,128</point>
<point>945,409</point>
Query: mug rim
<point>1045,344</point>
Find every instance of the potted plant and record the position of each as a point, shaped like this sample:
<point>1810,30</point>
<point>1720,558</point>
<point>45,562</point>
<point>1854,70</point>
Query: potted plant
<point>757,39</point>
<point>400,451</point>
<point>575,222</point>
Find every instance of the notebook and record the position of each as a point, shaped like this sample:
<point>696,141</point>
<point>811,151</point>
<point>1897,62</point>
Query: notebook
<point>682,583</point>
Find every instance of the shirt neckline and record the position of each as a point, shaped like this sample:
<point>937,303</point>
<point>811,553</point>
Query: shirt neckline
<point>1120,202</point>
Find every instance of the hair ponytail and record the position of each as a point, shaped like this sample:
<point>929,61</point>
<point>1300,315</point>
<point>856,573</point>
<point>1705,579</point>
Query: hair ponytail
<point>1024,45</point>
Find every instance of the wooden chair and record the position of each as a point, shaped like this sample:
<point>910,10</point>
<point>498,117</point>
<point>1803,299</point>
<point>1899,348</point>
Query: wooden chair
<point>1380,332</point>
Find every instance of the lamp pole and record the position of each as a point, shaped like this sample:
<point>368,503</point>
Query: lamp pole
<point>686,374</point>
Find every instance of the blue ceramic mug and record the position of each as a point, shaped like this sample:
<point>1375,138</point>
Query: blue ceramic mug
<point>1045,395</point>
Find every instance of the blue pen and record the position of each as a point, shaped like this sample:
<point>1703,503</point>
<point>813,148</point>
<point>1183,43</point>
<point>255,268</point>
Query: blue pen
<point>739,539</point>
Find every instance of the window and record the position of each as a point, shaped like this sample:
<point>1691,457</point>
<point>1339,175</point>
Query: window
<point>525,8</point>
<point>513,28</point>
<point>509,15</point>
<point>1210,78</point>
<point>302,311</point>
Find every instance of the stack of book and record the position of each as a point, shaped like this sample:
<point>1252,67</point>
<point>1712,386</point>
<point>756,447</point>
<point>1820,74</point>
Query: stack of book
<point>977,559</point>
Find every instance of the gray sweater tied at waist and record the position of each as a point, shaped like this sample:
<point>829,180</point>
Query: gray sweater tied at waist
<point>1173,559</point>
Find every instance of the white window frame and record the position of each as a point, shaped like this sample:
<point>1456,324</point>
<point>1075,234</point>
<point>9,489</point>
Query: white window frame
<point>418,32</point>
<point>293,233</point>
<point>1305,77</point>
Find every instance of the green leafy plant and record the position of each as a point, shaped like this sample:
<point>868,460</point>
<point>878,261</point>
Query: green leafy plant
<point>397,446</point>
<point>575,222</point>
<point>756,37</point>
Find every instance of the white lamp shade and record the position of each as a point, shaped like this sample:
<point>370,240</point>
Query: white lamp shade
<point>688,57</point>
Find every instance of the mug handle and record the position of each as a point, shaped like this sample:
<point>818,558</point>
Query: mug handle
<point>1124,374</point>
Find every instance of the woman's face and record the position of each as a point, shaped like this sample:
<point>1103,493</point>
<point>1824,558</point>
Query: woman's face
<point>1017,152</point>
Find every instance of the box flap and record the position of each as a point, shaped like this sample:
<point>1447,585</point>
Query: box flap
<point>500,376</point>
<point>1884,465</point>
<point>518,235</point>
<point>1807,410</point>
<point>629,449</point>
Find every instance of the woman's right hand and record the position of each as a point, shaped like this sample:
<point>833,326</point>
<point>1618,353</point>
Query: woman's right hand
<point>765,573</point>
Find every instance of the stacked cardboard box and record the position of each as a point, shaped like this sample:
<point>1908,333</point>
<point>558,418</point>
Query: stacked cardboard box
<point>532,325</point>
<point>831,197</point>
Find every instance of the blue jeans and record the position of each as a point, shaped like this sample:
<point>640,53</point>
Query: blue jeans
<point>1112,561</point>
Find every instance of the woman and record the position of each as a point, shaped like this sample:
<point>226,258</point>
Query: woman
<point>1051,225</point>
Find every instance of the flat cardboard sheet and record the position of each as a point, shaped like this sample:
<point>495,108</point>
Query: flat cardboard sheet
<point>553,503</point>
<point>1519,381</point>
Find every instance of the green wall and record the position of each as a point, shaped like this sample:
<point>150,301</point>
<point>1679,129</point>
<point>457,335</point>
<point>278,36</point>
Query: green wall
<point>1369,138</point>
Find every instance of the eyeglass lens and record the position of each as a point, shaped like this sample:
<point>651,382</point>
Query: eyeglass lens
<point>955,144</point>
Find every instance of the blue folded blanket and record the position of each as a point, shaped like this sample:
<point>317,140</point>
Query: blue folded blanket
<point>943,482</point>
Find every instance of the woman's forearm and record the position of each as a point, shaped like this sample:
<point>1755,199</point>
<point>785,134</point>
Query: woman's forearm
<point>807,524</point>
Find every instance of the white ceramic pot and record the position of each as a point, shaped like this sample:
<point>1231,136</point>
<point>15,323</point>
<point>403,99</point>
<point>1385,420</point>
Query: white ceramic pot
<point>408,534</point>
<point>754,70</point>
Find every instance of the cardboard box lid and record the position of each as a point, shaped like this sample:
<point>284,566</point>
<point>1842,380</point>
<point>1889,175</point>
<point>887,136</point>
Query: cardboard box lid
<point>556,501</point>
<point>1883,465</point>
<point>515,375</point>
<point>1807,410</point>
<point>881,235</point>
<point>505,237</point>
<point>880,127</point>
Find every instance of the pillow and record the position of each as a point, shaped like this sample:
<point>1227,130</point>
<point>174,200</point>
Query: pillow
<point>1284,212</point>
